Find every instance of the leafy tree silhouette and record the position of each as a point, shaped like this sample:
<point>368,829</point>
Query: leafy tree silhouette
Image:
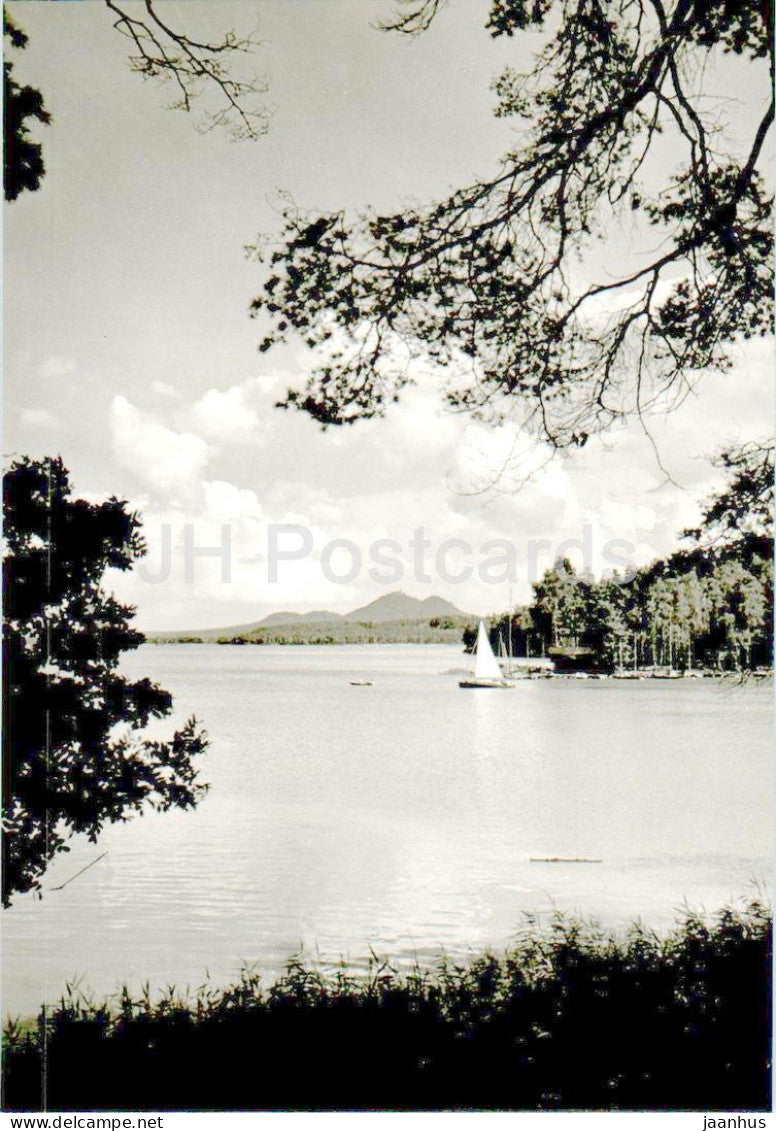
<point>67,768</point>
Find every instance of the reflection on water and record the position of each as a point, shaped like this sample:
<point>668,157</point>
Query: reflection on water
<point>403,816</point>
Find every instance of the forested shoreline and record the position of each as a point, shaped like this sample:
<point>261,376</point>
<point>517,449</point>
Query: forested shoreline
<point>701,608</point>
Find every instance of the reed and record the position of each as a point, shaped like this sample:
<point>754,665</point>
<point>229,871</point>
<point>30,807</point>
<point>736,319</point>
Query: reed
<point>570,1018</point>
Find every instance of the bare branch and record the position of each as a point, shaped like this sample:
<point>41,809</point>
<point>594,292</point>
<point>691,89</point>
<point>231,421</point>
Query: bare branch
<point>414,17</point>
<point>195,66</point>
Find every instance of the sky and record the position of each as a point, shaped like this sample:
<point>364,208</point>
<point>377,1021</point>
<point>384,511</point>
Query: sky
<point>128,348</point>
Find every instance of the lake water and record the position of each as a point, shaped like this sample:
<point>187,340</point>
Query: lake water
<point>403,816</point>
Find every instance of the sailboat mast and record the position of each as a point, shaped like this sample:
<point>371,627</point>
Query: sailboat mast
<point>509,634</point>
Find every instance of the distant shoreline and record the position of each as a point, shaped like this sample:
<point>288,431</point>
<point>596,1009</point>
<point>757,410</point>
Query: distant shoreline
<point>292,643</point>
<point>521,661</point>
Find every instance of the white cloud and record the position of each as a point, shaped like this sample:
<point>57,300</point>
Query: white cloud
<point>224,501</point>
<point>230,416</point>
<point>384,479</point>
<point>57,366</point>
<point>167,463</point>
<point>164,390</point>
<point>38,418</point>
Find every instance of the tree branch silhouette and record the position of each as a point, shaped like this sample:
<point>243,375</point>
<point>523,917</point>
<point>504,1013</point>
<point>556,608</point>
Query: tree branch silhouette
<point>193,66</point>
<point>487,282</point>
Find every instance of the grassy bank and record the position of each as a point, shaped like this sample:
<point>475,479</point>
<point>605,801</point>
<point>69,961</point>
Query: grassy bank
<point>570,1018</point>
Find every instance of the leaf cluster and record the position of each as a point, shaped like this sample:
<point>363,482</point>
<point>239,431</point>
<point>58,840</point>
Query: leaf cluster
<point>23,166</point>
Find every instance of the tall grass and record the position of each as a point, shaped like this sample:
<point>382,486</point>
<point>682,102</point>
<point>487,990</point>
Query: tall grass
<point>570,1018</point>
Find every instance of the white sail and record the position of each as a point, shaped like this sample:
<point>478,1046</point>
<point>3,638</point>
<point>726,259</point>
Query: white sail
<point>486,666</point>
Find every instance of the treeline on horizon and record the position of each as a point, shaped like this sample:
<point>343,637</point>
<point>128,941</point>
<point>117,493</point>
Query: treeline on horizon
<point>701,608</point>
<point>570,1018</point>
<point>419,630</point>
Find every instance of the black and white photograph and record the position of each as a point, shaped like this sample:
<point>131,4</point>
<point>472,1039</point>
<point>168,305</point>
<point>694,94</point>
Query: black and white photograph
<point>388,483</point>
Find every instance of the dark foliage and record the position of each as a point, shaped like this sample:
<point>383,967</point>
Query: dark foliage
<point>569,1019</point>
<point>487,281</point>
<point>743,510</point>
<point>65,769</point>
<point>23,166</point>
<point>699,609</point>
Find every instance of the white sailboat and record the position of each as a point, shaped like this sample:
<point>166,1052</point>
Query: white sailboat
<point>487,672</point>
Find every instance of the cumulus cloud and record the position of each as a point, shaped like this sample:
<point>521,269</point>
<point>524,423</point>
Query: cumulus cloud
<point>169,464</point>
<point>230,416</point>
<point>418,470</point>
<point>38,418</point>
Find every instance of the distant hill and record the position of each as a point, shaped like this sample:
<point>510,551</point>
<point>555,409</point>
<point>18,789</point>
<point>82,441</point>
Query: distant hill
<point>391,609</point>
<point>399,606</point>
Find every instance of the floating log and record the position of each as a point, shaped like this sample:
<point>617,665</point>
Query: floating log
<point>564,860</point>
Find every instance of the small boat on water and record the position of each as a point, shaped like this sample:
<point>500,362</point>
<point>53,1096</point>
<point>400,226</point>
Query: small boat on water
<point>361,683</point>
<point>487,672</point>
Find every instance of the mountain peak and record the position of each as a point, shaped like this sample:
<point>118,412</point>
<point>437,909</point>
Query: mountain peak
<point>398,605</point>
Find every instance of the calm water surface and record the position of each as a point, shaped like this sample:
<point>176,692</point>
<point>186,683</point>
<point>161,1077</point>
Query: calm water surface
<point>403,816</point>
